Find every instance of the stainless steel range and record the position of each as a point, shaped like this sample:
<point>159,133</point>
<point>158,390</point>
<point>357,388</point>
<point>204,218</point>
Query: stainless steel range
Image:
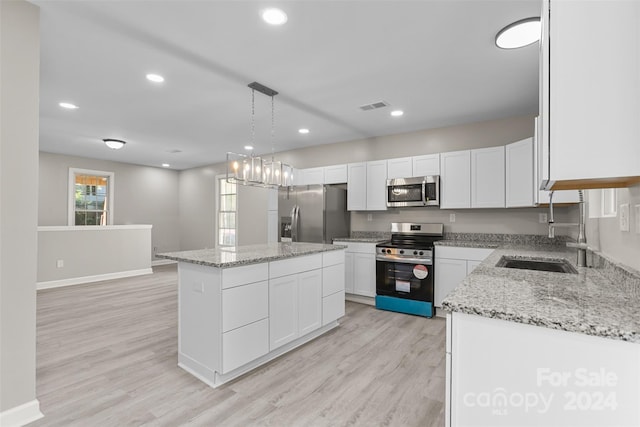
<point>404,269</point>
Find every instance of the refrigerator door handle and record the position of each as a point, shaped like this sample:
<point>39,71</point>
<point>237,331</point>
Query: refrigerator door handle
<point>294,223</point>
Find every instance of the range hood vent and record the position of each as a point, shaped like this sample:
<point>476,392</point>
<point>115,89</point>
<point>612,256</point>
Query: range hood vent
<point>374,106</point>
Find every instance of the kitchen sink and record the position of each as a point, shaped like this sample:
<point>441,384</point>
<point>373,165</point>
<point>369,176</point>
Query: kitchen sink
<point>538,264</point>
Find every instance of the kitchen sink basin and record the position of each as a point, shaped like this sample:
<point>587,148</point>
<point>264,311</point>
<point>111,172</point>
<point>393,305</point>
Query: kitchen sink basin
<point>539,264</point>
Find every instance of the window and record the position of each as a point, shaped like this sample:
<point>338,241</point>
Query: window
<point>603,203</point>
<point>227,210</point>
<point>609,202</point>
<point>90,197</point>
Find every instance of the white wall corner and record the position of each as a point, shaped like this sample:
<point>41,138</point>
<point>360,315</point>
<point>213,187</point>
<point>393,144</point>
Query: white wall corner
<point>21,415</point>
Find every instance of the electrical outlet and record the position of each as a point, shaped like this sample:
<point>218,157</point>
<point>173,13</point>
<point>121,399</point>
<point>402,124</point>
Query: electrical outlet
<point>60,263</point>
<point>624,217</point>
<point>452,217</point>
<point>637,219</point>
<point>369,217</point>
<point>542,218</point>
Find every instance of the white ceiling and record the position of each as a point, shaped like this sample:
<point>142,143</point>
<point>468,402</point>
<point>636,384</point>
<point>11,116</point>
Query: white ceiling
<point>436,60</point>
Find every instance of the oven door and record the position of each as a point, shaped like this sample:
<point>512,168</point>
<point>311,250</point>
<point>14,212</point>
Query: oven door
<point>409,280</point>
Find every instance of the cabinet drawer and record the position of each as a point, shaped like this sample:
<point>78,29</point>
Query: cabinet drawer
<point>244,304</point>
<point>245,344</point>
<point>454,252</point>
<point>332,307</point>
<point>237,276</point>
<point>295,265</point>
<point>332,258</point>
<point>332,279</point>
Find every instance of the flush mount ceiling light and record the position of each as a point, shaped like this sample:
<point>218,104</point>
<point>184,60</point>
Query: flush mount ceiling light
<point>274,16</point>
<point>519,34</point>
<point>397,113</point>
<point>252,170</point>
<point>114,144</point>
<point>303,131</point>
<point>165,165</point>
<point>156,78</point>
<point>68,105</point>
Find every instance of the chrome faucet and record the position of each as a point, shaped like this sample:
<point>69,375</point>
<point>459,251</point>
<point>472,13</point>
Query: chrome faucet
<point>581,243</point>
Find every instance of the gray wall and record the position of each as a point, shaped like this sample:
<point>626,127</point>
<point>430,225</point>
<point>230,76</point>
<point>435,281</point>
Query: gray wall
<point>429,141</point>
<point>252,215</point>
<point>92,251</point>
<point>604,234</point>
<point>142,195</point>
<point>198,208</point>
<point>19,79</point>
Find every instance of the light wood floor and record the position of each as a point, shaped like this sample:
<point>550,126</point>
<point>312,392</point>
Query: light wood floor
<point>107,356</point>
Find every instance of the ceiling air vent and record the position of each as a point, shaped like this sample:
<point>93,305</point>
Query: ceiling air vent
<point>374,106</point>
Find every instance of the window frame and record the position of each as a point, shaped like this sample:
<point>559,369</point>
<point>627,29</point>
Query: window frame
<point>219,179</point>
<point>71,192</point>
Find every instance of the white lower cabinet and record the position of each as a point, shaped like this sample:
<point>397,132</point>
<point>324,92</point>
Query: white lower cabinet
<point>452,265</point>
<point>232,319</point>
<point>283,310</point>
<point>244,344</point>
<point>360,268</point>
<point>502,373</point>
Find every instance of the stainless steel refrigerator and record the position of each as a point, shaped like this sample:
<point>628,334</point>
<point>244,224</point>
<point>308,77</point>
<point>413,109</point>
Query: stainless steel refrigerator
<point>313,213</point>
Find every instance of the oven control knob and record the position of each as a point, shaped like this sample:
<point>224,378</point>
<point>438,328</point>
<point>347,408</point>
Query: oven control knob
<point>421,253</point>
<point>388,251</point>
<point>401,251</point>
<point>415,252</point>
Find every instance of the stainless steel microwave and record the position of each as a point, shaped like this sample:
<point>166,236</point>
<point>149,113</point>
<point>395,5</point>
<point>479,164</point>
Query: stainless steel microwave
<point>420,191</point>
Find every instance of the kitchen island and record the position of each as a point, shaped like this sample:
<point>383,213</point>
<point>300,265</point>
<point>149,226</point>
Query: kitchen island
<point>240,307</point>
<point>535,348</point>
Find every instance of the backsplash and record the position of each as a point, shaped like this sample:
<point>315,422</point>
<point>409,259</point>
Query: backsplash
<point>511,239</point>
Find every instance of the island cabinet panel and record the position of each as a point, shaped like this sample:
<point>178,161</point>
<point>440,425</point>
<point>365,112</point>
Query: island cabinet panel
<point>237,276</point>
<point>309,301</point>
<point>333,278</point>
<point>295,265</point>
<point>244,304</point>
<point>332,307</point>
<point>283,310</point>
<point>199,320</point>
<point>244,344</point>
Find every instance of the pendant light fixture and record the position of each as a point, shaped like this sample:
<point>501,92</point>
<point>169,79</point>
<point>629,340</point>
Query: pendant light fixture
<point>253,170</point>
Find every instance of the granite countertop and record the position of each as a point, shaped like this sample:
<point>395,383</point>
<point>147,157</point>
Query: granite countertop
<point>234,256</point>
<point>602,301</point>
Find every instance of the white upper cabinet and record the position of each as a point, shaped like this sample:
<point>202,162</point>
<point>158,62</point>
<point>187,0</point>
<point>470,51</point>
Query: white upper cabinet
<point>336,174</point>
<point>312,176</point>
<point>487,177</point>
<point>377,185</point>
<point>426,165</point>
<point>357,186</point>
<point>590,91</point>
<point>400,168</point>
<point>519,174</point>
<point>455,179</point>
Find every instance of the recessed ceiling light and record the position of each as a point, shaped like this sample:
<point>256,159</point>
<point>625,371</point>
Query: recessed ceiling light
<point>165,165</point>
<point>68,105</point>
<point>248,147</point>
<point>397,113</point>
<point>114,144</point>
<point>156,78</point>
<point>519,34</point>
<point>303,130</point>
<point>274,16</point>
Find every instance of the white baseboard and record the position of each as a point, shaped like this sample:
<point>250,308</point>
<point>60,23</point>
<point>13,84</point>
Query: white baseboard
<point>21,415</point>
<point>157,262</point>
<point>89,279</point>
